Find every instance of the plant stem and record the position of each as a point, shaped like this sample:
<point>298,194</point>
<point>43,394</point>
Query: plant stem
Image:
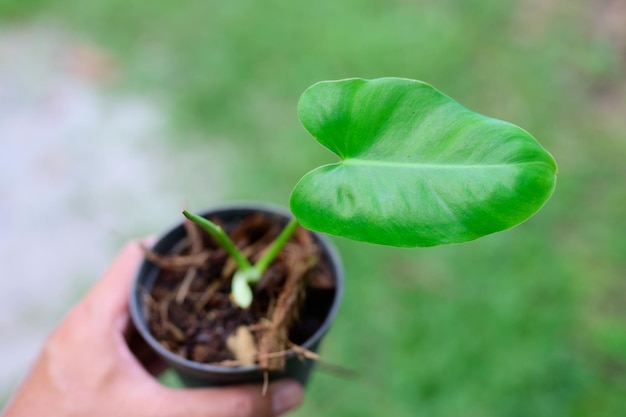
<point>246,274</point>
<point>221,237</point>
<point>276,246</point>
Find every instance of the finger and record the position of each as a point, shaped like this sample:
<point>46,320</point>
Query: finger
<point>237,401</point>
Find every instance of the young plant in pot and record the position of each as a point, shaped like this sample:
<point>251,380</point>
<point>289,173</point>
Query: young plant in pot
<point>233,296</point>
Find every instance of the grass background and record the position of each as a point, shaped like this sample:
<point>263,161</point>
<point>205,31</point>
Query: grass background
<point>530,322</point>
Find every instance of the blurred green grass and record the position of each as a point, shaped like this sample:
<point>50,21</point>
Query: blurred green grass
<point>530,322</point>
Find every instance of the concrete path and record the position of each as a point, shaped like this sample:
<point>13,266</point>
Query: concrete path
<point>81,171</point>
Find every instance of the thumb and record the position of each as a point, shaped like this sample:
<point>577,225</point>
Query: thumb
<point>236,401</point>
<point>111,292</point>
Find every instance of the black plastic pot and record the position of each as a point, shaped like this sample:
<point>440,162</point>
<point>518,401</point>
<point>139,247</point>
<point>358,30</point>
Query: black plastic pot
<point>200,374</point>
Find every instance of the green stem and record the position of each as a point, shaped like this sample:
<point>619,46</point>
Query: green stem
<point>276,246</point>
<point>222,239</point>
<point>246,274</point>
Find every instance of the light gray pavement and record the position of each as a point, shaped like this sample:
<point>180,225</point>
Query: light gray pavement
<point>81,171</point>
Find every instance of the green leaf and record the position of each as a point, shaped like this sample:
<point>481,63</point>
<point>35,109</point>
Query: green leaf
<point>416,168</point>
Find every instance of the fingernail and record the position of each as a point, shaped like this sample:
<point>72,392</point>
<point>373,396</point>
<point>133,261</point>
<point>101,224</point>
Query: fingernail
<point>286,395</point>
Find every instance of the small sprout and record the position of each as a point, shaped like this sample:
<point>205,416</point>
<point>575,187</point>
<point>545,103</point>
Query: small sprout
<point>246,274</point>
<point>241,291</point>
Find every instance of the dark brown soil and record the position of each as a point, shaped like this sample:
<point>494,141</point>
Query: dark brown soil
<point>190,312</point>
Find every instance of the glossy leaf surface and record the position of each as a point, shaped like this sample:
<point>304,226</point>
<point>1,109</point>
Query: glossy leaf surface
<point>416,168</point>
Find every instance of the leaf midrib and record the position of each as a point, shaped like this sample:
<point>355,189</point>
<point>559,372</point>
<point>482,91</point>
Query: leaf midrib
<point>422,165</point>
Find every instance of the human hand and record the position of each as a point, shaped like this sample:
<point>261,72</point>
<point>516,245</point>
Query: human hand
<point>86,368</point>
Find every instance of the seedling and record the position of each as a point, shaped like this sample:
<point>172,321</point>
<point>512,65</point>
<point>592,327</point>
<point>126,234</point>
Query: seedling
<point>416,169</point>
